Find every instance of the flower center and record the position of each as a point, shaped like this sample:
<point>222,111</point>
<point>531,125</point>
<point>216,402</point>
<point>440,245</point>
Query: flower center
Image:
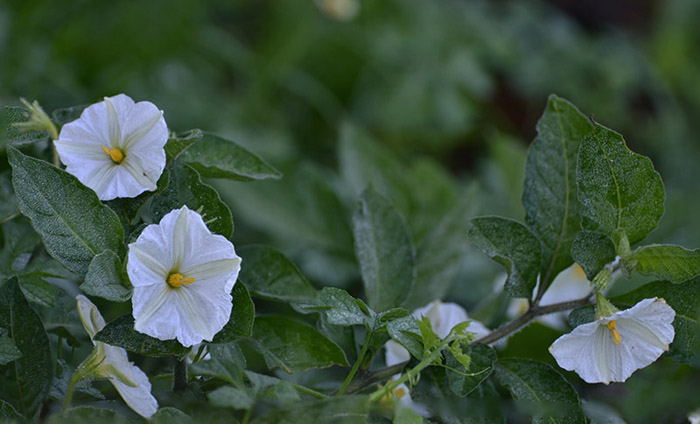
<point>115,154</point>
<point>400,392</point>
<point>612,326</point>
<point>175,280</point>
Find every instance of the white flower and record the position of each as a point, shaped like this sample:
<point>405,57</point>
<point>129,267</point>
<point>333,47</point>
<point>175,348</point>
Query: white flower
<point>116,147</point>
<point>182,276</point>
<point>342,10</point>
<point>614,346</point>
<point>112,363</point>
<point>694,417</point>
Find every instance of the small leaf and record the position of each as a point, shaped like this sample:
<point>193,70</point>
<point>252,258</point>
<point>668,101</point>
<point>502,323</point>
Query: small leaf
<point>592,251</point>
<point>179,143</point>
<point>217,157</point>
<point>269,274</point>
<point>406,332</point>
<point>37,290</point>
<point>10,135</point>
<point>240,324</point>
<point>511,244</point>
<point>105,278</point>
<point>343,309</point>
<point>120,332</point>
<point>384,250</point>
<point>25,382</point>
<point>465,380</point>
<point>8,350</point>
<point>187,188</point>
<point>549,191</point>
<point>73,223</point>
<point>429,338</point>
<point>231,397</point>
<point>540,388</point>
<point>618,189</point>
<point>294,346</point>
<point>665,261</point>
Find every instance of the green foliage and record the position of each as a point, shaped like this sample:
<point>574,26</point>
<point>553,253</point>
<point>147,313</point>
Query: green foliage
<point>8,350</point>
<point>342,410</point>
<point>667,262</point>
<point>294,346</point>
<point>465,379</point>
<point>618,189</point>
<point>217,157</point>
<point>592,251</point>
<point>106,278</point>
<point>36,289</point>
<point>186,188</point>
<point>513,245</point>
<point>72,222</point>
<point>178,143</point>
<point>549,192</point>
<point>541,391</point>
<point>240,324</point>
<point>407,333</point>
<point>10,135</point>
<point>120,332</point>
<point>24,382</point>
<point>384,250</point>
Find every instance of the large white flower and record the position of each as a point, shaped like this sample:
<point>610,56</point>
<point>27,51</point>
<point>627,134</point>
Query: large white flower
<point>112,363</point>
<point>116,147</point>
<point>612,347</point>
<point>182,276</point>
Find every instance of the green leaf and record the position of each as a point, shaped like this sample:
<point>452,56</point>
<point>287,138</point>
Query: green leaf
<point>8,206</point>
<point>179,143</point>
<point>343,309</point>
<point>127,208</point>
<point>24,382</point>
<point>8,413</point>
<point>88,415</point>
<point>105,278</point>
<point>685,300</point>
<point>384,250</point>
<point>226,363</point>
<point>428,337</point>
<point>73,223</point>
<point>120,332</point>
<point>294,346</point>
<point>404,415</point>
<point>37,290</point>
<point>271,387</point>
<point>270,275</point>
<point>187,188</point>
<point>340,410</point>
<point>511,244</point>
<point>217,157</point>
<point>592,251</point>
<point>8,350</point>
<point>618,189</point>
<point>465,380</point>
<point>540,389</point>
<point>240,324</point>
<point>10,135</point>
<point>168,415</point>
<point>406,332</point>
<point>231,397</point>
<point>549,191</point>
<point>665,261</point>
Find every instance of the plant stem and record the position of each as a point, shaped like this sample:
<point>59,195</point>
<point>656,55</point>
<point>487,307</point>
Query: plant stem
<point>357,364</point>
<point>246,417</point>
<point>77,375</point>
<point>180,375</point>
<point>533,312</point>
<point>310,392</point>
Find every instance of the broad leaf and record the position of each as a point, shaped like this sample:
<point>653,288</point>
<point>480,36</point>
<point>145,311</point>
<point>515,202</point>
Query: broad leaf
<point>547,395</point>
<point>168,415</point>
<point>549,191</point>
<point>10,135</point>
<point>406,332</point>
<point>8,350</point>
<point>294,346</point>
<point>24,382</point>
<point>665,261</point>
<point>269,274</point>
<point>592,251</point>
<point>384,250</point>
<point>226,363</point>
<point>73,223</point>
<point>106,278</point>
<point>120,332</point>
<point>187,189</point>
<point>178,144</point>
<point>618,189</point>
<point>340,410</point>
<point>465,380</point>
<point>231,397</point>
<point>88,415</point>
<point>217,157</point>
<point>511,244</point>
<point>240,324</point>
<point>343,309</point>
<point>37,290</point>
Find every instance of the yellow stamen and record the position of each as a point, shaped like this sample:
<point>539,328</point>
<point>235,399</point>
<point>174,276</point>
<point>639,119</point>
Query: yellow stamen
<point>176,280</point>
<point>578,271</point>
<point>115,154</point>
<point>400,392</point>
<point>612,326</point>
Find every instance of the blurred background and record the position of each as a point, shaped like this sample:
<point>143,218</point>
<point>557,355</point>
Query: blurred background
<point>432,102</point>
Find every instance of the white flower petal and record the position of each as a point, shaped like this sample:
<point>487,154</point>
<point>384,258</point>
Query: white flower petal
<point>395,353</point>
<point>144,125</point>
<point>201,317</point>
<point>154,312</point>
<point>569,350</point>
<point>139,398</point>
<point>90,316</point>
